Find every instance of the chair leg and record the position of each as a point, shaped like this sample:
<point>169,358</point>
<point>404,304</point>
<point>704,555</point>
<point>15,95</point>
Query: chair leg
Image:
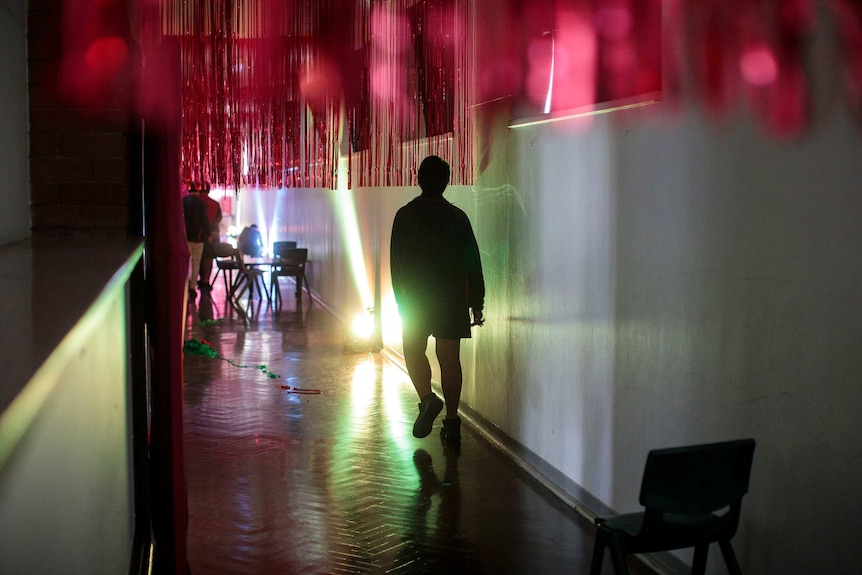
<point>698,565</point>
<point>251,284</point>
<point>618,556</point>
<point>598,552</point>
<point>256,281</point>
<point>239,286</point>
<point>729,557</point>
<point>276,296</point>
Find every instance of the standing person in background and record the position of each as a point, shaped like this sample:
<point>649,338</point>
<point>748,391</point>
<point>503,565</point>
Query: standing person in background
<point>197,229</point>
<point>438,283</point>
<point>214,218</point>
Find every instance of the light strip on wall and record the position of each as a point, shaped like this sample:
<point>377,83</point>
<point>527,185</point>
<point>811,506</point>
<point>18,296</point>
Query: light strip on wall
<point>346,210</point>
<point>592,110</point>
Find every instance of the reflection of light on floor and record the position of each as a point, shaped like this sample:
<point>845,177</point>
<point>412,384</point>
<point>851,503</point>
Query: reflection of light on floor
<point>363,389</point>
<point>400,424</point>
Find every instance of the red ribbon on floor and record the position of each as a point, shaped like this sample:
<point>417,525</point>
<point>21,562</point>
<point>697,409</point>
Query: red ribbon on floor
<point>300,390</point>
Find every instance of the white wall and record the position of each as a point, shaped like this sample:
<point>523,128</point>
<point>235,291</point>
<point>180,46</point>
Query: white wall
<point>672,281</point>
<point>14,152</point>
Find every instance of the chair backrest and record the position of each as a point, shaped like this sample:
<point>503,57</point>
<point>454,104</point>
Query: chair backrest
<point>240,259</point>
<point>223,250</point>
<point>697,479</point>
<point>294,258</point>
<point>279,248</point>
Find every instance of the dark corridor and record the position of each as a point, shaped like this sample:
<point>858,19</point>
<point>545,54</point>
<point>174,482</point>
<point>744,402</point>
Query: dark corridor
<point>288,482</point>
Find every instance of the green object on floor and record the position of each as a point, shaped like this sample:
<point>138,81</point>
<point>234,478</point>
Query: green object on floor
<point>198,347</point>
<point>201,347</point>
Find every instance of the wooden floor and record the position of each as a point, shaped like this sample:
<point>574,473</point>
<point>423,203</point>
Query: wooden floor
<point>333,482</point>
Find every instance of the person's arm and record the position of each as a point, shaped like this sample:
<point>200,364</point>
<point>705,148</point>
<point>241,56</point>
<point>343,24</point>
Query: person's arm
<point>203,223</point>
<point>395,268</point>
<point>475,277</point>
<point>217,221</point>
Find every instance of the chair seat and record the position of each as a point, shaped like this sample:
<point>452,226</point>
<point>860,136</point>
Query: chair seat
<point>674,532</point>
<point>249,278</point>
<point>226,264</point>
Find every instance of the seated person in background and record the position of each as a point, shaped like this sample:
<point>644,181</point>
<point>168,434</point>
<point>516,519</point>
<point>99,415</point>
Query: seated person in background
<point>250,242</point>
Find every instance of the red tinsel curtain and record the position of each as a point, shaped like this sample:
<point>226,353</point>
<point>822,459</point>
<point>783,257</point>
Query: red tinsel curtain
<point>259,106</point>
<point>277,91</point>
<point>412,93</point>
<point>264,82</point>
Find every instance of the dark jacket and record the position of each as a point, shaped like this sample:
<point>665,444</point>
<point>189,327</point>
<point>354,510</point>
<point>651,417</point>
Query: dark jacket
<point>434,258</point>
<point>197,224</point>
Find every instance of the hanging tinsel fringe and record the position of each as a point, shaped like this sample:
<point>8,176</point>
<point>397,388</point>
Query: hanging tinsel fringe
<point>264,82</point>
<point>276,91</point>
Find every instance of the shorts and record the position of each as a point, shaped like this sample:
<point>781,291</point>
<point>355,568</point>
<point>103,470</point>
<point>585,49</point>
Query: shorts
<point>452,324</point>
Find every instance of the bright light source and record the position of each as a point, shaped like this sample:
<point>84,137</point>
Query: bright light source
<point>360,335</point>
<point>363,326</point>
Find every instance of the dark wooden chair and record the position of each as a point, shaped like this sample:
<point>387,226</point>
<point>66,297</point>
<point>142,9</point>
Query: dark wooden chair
<point>291,263</point>
<point>692,498</point>
<point>226,264</point>
<point>250,278</point>
<point>279,248</point>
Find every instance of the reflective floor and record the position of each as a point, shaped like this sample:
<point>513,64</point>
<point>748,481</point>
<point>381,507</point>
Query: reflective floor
<point>285,480</point>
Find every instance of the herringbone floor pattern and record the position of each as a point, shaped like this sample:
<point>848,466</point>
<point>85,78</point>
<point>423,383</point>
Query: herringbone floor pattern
<point>334,483</point>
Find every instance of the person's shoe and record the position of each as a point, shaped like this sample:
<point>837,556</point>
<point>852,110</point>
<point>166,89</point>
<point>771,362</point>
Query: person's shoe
<point>429,408</point>
<point>451,431</point>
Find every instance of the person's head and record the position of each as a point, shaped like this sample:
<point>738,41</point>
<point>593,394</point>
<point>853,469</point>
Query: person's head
<point>433,176</point>
<point>205,188</point>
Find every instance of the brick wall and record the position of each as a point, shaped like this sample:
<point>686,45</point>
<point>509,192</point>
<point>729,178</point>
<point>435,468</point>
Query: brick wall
<point>80,165</point>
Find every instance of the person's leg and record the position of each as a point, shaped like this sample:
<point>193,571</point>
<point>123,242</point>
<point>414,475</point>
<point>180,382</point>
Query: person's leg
<point>191,282</point>
<point>419,370</point>
<point>196,249</point>
<point>418,367</point>
<point>206,267</point>
<point>449,357</point>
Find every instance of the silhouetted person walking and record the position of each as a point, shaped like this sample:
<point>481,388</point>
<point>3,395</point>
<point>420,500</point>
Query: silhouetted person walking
<point>438,283</point>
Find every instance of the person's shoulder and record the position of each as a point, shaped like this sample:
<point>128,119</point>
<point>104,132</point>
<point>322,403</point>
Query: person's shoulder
<point>414,202</point>
<point>455,210</point>
<point>410,206</point>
